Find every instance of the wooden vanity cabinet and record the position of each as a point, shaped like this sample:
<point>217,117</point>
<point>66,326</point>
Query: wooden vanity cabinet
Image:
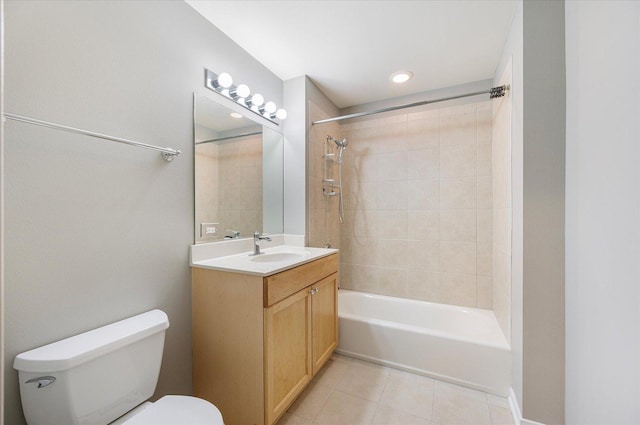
<point>258,341</point>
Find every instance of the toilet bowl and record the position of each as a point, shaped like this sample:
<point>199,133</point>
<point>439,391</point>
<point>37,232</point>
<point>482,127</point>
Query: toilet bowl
<point>173,410</point>
<point>104,376</point>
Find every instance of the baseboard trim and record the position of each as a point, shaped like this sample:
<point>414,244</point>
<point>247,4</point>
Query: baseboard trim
<point>515,411</point>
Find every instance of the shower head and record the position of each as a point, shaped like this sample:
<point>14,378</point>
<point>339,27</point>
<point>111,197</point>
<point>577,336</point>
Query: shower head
<point>340,143</point>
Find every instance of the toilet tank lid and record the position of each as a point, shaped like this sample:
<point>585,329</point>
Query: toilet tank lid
<point>70,352</point>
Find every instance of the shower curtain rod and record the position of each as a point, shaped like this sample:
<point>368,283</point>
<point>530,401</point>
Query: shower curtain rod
<point>168,154</point>
<point>493,92</point>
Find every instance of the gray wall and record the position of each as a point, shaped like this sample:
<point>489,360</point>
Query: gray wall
<point>543,213</point>
<point>603,206</point>
<point>97,231</point>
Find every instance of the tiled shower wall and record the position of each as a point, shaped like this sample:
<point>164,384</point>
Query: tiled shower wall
<point>418,204</point>
<point>324,224</point>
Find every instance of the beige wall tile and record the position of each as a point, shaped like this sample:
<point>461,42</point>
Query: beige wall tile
<point>423,130</point>
<point>458,225</point>
<point>485,292</point>
<point>484,160</point>
<point>392,224</point>
<point>484,227</point>
<point>458,289</point>
<point>485,192</point>
<point>458,126</point>
<point>364,251</point>
<point>458,194</point>
<point>360,195</point>
<point>364,223</point>
<point>457,161</point>
<point>392,166</point>
<point>423,163</point>
<point>423,225</point>
<point>392,253</point>
<point>364,167</point>
<point>393,282</point>
<point>392,195</point>
<point>423,285</point>
<point>423,255</point>
<point>423,194</point>
<point>484,258</point>
<point>458,257</point>
<point>364,278</point>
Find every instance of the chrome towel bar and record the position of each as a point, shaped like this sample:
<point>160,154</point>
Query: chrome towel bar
<point>168,154</point>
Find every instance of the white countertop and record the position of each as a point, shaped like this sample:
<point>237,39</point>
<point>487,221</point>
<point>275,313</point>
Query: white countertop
<point>284,252</point>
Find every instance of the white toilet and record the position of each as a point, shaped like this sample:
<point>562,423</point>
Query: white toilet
<point>104,376</point>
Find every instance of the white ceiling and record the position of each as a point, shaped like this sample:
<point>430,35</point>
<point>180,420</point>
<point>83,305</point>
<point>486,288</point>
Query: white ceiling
<point>350,48</point>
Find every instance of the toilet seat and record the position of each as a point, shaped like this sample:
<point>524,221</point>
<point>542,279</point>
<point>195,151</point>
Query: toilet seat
<point>178,410</point>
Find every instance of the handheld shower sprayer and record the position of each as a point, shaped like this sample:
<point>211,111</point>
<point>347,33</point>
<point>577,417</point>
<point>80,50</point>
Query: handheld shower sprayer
<point>342,145</point>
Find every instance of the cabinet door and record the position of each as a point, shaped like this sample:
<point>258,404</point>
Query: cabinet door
<point>324,320</point>
<point>287,352</point>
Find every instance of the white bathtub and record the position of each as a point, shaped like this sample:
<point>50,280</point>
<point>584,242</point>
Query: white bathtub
<point>457,344</point>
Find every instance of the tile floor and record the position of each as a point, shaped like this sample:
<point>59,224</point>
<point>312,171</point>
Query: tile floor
<point>353,392</point>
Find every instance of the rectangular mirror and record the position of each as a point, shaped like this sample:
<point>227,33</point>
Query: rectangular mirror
<point>238,174</point>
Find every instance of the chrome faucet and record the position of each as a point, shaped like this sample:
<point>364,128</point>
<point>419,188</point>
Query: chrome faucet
<point>236,234</point>
<point>256,242</point>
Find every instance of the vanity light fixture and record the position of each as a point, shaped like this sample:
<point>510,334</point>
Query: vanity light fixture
<point>400,77</point>
<point>223,84</point>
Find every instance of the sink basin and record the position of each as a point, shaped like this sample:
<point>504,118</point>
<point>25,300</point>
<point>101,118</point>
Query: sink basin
<point>275,257</point>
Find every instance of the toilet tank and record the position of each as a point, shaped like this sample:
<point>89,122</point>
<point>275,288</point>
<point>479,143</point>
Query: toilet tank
<point>94,377</point>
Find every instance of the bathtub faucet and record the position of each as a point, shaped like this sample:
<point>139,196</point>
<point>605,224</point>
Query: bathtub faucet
<point>256,242</point>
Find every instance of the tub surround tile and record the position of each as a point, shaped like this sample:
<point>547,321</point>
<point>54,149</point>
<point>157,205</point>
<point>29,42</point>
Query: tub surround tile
<point>423,225</point>
<point>457,288</point>
<point>458,194</point>
<point>458,257</point>
<point>393,282</point>
<point>419,190</point>
<point>393,224</point>
<point>458,225</point>
<point>458,161</point>
<point>423,194</point>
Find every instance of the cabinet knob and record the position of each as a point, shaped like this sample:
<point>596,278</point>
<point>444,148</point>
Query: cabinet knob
<point>313,290</point>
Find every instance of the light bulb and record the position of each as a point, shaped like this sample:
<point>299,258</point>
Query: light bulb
<point>270,107</point>
<point>281,114</point>
<point>224,80</point>
<point>243,90</point>
<point>256,100</point>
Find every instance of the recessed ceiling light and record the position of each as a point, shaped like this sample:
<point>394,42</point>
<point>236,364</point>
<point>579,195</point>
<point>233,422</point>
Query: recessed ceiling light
<point>236,115</point>
<point>400,77</point>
